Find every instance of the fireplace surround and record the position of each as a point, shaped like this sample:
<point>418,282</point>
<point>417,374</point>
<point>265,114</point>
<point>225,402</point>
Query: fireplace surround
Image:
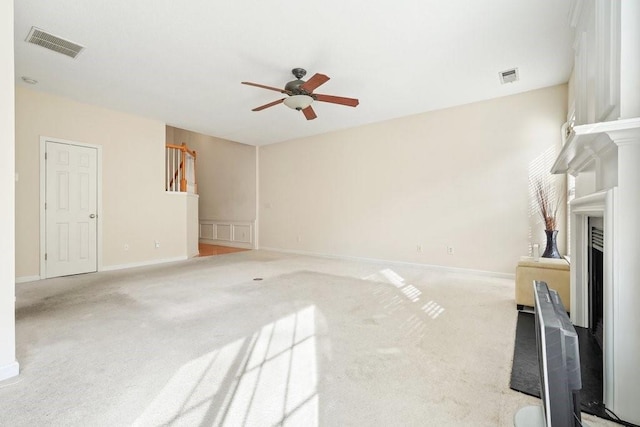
<point>604,157</point>
<point>598,205</point>
<point>602,151</point>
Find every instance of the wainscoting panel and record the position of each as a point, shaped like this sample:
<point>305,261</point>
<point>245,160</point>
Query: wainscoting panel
<point>207,231</point>
<point>227,233</point>
<point>223,232</point>
<point>242,233</point>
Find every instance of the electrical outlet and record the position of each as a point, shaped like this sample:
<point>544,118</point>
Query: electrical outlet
<point>157,244</point>
<point>126,247</point>
<point>418,248</point>
<point>450,250</point>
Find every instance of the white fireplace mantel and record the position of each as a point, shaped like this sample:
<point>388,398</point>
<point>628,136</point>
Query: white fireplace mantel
<point>587,144</point>
<point>611,151</point>
<point>603,153</point>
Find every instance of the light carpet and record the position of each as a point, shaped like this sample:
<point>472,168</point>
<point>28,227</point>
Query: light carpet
<point>317,342</point>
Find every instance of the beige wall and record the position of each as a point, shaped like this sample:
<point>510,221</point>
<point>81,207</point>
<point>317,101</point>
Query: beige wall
<point>192,225</point>
<point>457,177</point>
<point>226,175</point>
<point>135,208</point>
<point>8,364</point>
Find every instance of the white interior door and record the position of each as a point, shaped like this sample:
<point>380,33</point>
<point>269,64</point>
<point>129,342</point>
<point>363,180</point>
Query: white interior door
<point>70,209</point>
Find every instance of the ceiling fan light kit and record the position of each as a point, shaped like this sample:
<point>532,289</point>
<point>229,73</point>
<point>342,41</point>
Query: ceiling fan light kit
<point>298,102</point>
<point>300,94</point>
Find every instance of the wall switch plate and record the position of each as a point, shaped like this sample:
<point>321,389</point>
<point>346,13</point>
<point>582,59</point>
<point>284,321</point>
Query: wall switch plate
<point>157,244</point>
<point>450,250</point>
<point>418,248</point>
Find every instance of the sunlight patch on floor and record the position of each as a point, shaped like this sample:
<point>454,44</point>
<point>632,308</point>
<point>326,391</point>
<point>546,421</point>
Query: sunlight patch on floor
<point>280,379</point>
<point>389,276</point>
<point>187,396</point>
<point>269,378</point>
<point>433,309</point>
<point>410,292</point>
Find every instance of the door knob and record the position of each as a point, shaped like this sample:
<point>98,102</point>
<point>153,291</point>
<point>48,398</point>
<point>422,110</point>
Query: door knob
<point>92,216</point>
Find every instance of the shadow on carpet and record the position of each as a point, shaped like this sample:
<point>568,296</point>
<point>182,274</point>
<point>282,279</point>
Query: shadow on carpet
<point>525,375</point>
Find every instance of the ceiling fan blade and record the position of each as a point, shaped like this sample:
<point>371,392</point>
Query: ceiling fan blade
<point>315,81</point>
<point>267,87</point>
<point>309,113</point>
<point>271,104</point>
<point>351,102</point>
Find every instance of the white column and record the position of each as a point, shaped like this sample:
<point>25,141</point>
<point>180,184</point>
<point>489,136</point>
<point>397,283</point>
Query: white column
<point>626,296</point>
<point>8,363</point>
<point>629,59</point>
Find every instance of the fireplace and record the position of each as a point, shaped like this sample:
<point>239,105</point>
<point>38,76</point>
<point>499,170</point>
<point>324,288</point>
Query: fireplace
<point>592,275</point>
<point>596,278</point>
<point>605,246</point>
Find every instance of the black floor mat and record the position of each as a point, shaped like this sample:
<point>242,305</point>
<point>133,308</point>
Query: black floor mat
<point>525,375</point>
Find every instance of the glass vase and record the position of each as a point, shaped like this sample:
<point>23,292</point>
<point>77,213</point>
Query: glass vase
<point>551,250</point>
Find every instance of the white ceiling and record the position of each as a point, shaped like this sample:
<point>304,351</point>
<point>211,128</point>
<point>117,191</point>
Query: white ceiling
<point>182,62</point>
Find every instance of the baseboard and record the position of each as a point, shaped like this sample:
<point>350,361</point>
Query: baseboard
<point>494,274</point>
<point>143,263</point>
<point>27,279</point>
<point>226,243</point>
<point>9,371</point>
<point>24,279</point>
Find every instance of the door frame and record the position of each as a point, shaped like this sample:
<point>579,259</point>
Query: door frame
<point>43,197</point>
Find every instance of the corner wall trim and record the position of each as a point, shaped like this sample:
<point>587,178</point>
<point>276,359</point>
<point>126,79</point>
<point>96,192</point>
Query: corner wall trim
<point>143,263</point>
<point>9,371</point>
<point>494,274</point>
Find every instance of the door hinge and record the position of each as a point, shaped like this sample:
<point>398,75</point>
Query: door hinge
<point>45,205</point>
<point>45,155</point>
<point>45,257</point>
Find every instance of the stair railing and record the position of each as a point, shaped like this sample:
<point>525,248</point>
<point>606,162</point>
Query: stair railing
<point>180,169</point>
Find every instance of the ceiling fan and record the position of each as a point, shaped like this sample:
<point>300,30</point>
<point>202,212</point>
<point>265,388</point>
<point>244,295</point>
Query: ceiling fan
<point>301,94</point>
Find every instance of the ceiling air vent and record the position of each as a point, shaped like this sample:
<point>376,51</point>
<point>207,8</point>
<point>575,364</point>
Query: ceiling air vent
<point>54,43</point>
<point>509,76</point>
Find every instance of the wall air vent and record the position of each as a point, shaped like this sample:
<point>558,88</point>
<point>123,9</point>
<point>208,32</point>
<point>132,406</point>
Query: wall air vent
<point>54,43</point>
<point>509,76</point>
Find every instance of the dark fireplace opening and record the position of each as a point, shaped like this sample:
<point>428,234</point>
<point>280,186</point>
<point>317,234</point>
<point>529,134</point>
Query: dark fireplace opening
<point>596,279</point>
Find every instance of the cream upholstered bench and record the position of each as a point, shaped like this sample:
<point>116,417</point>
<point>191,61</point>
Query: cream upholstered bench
<point>553,271</point>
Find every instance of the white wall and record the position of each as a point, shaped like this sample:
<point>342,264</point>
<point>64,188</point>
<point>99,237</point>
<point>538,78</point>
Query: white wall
<point>226,175</point>
<point>8,364</point>
<point>457,177</point>
<point>135,208</point>
<point>629,59</point>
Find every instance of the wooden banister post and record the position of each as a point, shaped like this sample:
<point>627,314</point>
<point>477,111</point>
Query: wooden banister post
<point>195,180</point>
<point>183,175</point>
